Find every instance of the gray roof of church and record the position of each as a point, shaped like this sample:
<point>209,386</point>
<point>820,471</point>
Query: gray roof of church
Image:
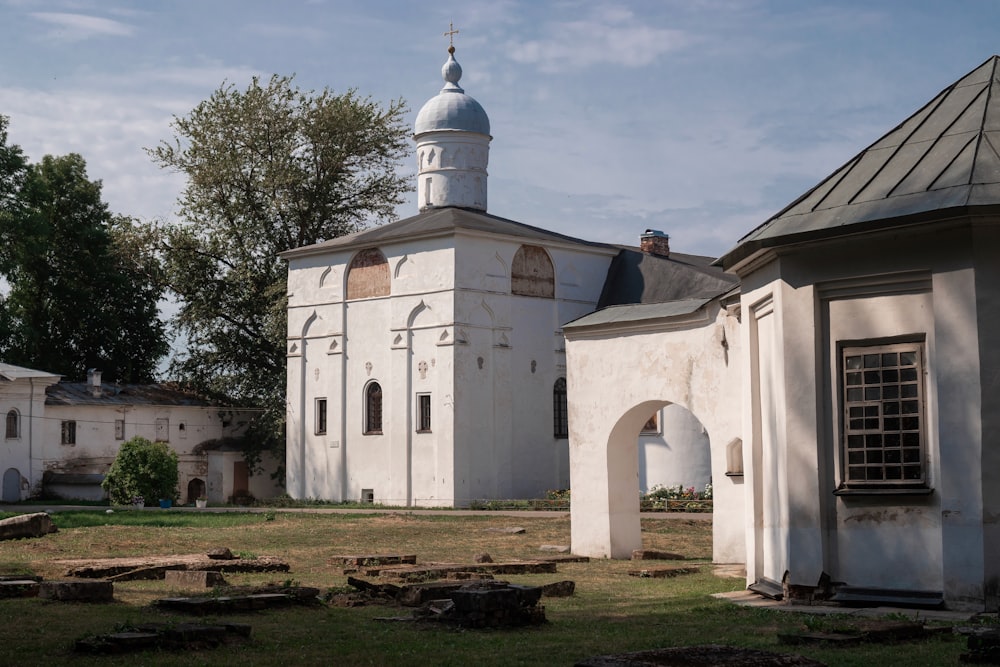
<point>435,221</point>
<point>635,277</point>
<point>638,312</point>
<point>942,161</point>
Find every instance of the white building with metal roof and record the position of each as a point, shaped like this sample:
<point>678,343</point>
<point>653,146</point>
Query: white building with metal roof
<point>426,360</point>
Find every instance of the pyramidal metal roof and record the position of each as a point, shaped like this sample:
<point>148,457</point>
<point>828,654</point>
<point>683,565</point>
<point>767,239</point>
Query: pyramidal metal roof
<point>943,158</point>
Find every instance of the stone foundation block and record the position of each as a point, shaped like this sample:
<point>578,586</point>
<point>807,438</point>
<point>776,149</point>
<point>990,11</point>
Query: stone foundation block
<point>77,591</point>
<point>193,578</point>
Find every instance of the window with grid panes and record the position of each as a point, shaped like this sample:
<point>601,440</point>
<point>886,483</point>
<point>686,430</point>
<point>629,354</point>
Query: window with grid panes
<point>560,410</point>
<point>883,415</point>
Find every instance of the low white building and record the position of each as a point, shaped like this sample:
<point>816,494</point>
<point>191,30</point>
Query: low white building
<point>61,437</point>
<point>22,403</point>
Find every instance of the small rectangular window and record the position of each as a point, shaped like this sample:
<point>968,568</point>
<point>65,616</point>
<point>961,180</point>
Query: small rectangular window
<point>423,413</point>
<point>69,433</point>
<point>652,425</point>
<point>163,429</point>
<point>883,415</point>
<point>320,416</point>
<point>560,410</point>
<point>119,429</point>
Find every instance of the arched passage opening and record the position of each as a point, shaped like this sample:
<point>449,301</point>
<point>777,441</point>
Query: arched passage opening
<point>622,460</point>
<point>674,451</point>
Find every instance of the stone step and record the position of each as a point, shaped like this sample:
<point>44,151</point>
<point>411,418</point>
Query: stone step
<point>194,578</point>
<point>18,588</point>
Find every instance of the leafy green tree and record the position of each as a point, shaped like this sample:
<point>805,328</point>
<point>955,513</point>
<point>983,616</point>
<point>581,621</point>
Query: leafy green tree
<point>269,168</point>
<point>83,294</point>
<point>142,468</point>
<point>13,171</point>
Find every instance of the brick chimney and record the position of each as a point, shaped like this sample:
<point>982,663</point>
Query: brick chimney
<point>94,381</point>
<point>655,242</point>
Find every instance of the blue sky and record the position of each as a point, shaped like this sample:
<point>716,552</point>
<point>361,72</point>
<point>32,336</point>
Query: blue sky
<point>698,117</point>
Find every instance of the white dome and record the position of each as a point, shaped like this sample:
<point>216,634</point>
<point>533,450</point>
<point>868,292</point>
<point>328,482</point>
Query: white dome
<point>452,109</point>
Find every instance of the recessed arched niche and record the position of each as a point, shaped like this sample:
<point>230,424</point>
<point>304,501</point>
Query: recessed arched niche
<point>532,273</point>
<point>368,275</point>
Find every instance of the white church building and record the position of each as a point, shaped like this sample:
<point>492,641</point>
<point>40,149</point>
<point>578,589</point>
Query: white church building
<point>426,357</point>
<point>833,374</point>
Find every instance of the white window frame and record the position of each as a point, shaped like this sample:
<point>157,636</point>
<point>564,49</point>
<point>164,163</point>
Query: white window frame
<point>883,415</point>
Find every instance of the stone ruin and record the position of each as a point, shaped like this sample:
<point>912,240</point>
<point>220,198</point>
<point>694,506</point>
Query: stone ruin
<point>38,524</point>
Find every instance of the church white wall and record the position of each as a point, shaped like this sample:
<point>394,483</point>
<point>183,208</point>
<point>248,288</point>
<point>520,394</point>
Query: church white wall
<point>518,341</point>
<point>451,329</point>
<point>651,365</point>
<point>348,344</point>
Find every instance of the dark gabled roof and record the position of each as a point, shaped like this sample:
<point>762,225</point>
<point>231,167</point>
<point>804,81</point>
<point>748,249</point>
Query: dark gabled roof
<point>940,162</point>
<point>80,393</point>
<point>638,277</point>
<point>642,287</point>
<point>435,222</point>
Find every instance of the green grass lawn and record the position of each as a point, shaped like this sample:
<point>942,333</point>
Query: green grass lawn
<point>611,611</point>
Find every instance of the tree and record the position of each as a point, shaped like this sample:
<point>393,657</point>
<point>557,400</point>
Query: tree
<point>13,170</point>
<point>268,169</point>
<point>83,294</point>
<point>142,469</point>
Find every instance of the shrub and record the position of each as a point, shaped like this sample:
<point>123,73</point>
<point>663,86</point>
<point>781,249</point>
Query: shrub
<point>142,468</point>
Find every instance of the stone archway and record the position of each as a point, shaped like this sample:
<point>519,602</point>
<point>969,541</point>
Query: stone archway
<point>617,379</point>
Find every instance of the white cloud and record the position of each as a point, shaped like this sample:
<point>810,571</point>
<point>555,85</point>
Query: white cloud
<point>76,27</point>
<point>607,36</point>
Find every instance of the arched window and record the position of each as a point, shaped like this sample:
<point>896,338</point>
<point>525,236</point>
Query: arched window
<point>13,429</point>
<point>531,273</point>
<point>368,275</point>
<point>560,410</point>
<point>373,408</point>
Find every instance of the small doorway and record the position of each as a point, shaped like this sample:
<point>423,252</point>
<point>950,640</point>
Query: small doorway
<point>196,489</point>
<point>11,492</point>
<point>241,478</point>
